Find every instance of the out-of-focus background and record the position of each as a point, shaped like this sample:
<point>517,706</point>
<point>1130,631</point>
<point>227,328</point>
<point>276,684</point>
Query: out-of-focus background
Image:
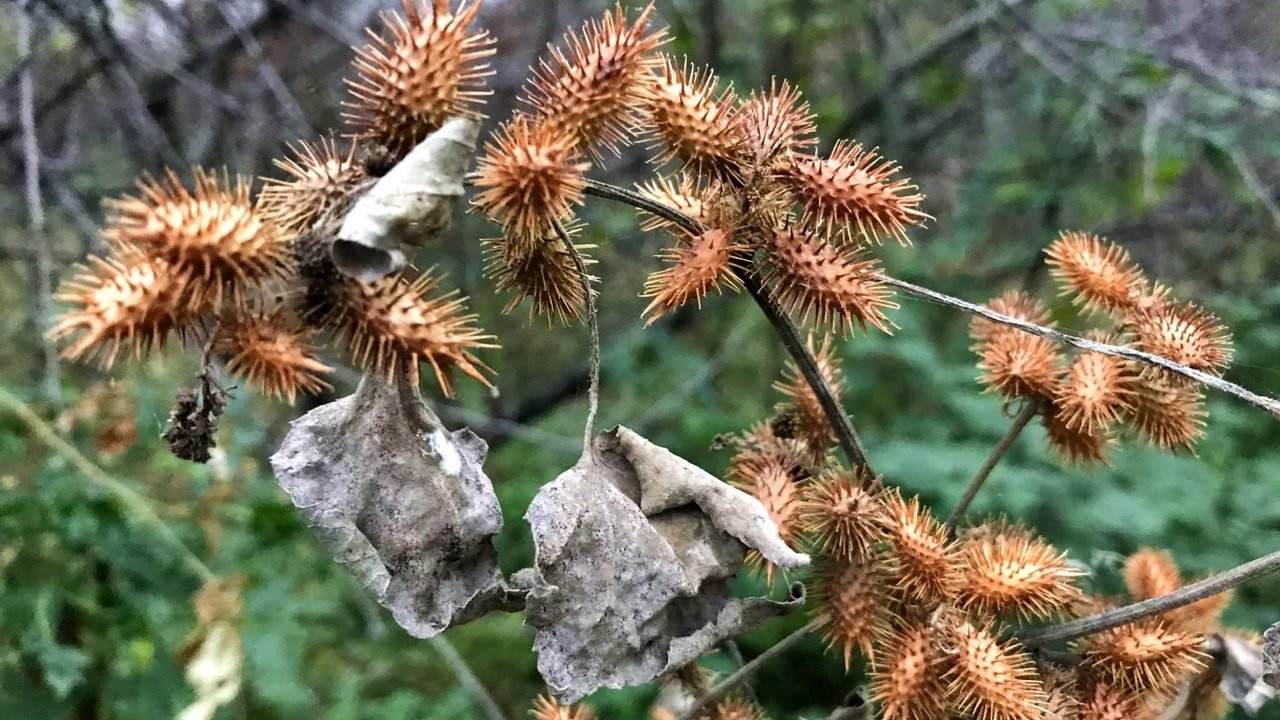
<point>1154,122</point>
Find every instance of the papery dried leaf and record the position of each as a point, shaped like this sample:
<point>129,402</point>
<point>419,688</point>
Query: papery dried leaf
<point>398,500</point>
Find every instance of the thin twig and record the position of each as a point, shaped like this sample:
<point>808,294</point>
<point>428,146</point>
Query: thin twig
<point>745,672</point>
<point>467,678</point>
<point>1024,416</point>
<point>1164,603</point>
<point>734,652</point>
<point>1271,405</point>
<point>593,322</point>
<point>846,434</point>
<point>132,500</point>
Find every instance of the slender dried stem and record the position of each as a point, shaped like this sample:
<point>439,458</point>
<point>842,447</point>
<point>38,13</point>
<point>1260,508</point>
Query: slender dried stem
<point>467,678</point>
<point>846,434</point>
<point>593,321</point>
<point>1024,416</point>
<point>745,672</point>
<point>1271,405</point>
<point>1171,601</point>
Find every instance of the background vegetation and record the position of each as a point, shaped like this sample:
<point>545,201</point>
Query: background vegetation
<point>1154,123</point>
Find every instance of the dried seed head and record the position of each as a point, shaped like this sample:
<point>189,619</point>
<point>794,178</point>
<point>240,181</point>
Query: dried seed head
<point>1145,655</point>
<point>991,679</point>
<point>132,302</point>
<point>907,680</point>
<point>392,321</point>
<point>1168,415</point>
<point>543,273</point>
<point>1009,571</point>
<point>852,193</point>
<point>1186,335</point>
<point>682,192</point>
<point>818,280</point>
<point>1150,573</point>
<point>1061,694</point>
<point>1103,700</point>
<point>811,423</point>
<point>1018,364</point>
<point>692,120</point>
<point>1096,392</point>
<point>592,87</point>
<point>761,448</point>
<point>854,601</point>
<point>1015,304</point>
<point>1074,446</point>
<point>736,708</point>
<point>846,519</point>
<point>705,264</point>
<point>430,68</point>
<point>546,708</point>
<point>778,124</point>
<point>1098,272</point>
<point>271,353</point>
<point>214,233</point>
<point>321,178</point>
<point>772,485</point>
<point>529,176</point>
<point>924,558</point>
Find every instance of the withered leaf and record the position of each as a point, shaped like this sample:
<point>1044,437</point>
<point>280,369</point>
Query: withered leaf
<point>411,204</point>
<point>400,501</point>
<point>635,549</point>
<point>1271,656</point>
<point>1241,668</point>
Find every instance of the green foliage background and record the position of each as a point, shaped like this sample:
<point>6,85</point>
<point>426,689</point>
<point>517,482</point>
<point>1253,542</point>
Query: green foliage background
<point>93,605</point>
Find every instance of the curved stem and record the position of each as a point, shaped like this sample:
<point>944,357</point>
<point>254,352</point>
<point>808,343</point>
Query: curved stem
<point>1186,595</point>
<point>846,434</point>
<point>745,672</point>
<point>1028,411</point>
<point>593,321</point>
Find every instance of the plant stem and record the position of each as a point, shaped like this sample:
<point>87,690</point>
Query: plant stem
<point>467,678</point>
<point>1131,613</point>
<point>745,672</point>
<point>1024,416</point>
<point>132,501</point>
<point>593,321</point>
<point>846,434</point>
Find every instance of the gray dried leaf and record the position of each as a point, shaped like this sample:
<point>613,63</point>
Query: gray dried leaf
<point>411,204</point>
<point>631,581</point>
<point>1240,664</point>
<point>1271,656</point>
<point>400,501</point>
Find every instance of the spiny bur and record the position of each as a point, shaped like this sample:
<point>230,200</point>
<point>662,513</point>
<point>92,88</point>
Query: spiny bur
<point>529,177</point>
<point>1096,392</point>
<point>777,125</point>
<point>923,557</point>
<point>1187,335</point>
<point>1144,655</point>
<point>543,273</point>
<point>690,119</point>
<point>271,353</point>
<point>321,178</point>
<point>802,403</point>
<point>853,597</point>
<point>846,519</point>
<point>1007,570</point>
<point>546,708</point>
<point>992,679</point>
<point>1074,445</point>
<point>703,264</point>
<point>1099,274</point>
<point>828,284</point>
<point>907,679</point>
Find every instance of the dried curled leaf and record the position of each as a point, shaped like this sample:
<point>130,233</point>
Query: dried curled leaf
<point>635,548</point>
<point>399,501</point>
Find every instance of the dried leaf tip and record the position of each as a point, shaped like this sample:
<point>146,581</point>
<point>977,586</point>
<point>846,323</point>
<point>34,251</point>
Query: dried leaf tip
<point>272,353</point>
<point>529,177</point>
<point>826,283</point>
<point>707,263</point>
<point>431,67</point>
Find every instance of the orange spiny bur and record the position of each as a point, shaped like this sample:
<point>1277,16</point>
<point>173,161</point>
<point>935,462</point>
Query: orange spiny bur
<point>854,601</point>
<point>819,280</point>
<point>1144,655</point>
<point>1150,573</point>
<point>761,448</point>
<point>705,264</point>
<point>1014,303</point>
<point>1075,446</point>
<point>543,273</point>
<point>1168,415</point>
<point>683,193</point>
<point>1061,694</point>
<point>907,679</point>
<point>1018,364</point>
<point>593,86</point>
<point>132,302</point>
<point>546,708</point>
<point>846,519</point>
<point>693,121</point>
<point>430,68</point>
<point>213,233</point>
<point>1008,570</point>
<point>773,486</point>
<point>1103,700</point>
<point>271,353</point>
<point>992,679</point>
<point>529,177</point>
<point>924,558</point>
<point>1095,393</point>
<point>321,178</point>
<point>777,124</point>
<point>802,405</point>
<point>1187,335</point>
<point>853,192</point>
<point>1099,273</point>
<point>392,321</point>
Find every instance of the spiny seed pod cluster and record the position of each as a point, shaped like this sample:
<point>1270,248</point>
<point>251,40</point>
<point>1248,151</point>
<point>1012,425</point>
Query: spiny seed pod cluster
<point>191,260</point>
<point>1085,401</point>
<point>744,169</point>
